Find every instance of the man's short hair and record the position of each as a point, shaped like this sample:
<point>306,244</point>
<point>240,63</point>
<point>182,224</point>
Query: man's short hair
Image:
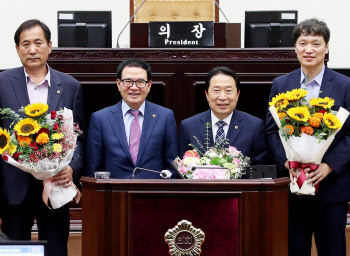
<point>313,27</point>
<point>134,63</point>
<point>31,24</point>
<point>222,70</point>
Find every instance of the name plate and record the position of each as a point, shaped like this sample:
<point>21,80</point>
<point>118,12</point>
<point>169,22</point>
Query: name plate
<point>181,34</point>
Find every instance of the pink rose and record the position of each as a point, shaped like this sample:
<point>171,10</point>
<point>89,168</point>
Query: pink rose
<point>234,152</point>
<point>191,153</point>
<point>183,169</point>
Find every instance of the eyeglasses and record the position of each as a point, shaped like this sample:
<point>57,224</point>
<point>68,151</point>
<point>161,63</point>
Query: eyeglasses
<point>139,83</point>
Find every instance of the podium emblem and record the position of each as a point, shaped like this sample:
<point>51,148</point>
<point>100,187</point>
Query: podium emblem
<point>184,239</point>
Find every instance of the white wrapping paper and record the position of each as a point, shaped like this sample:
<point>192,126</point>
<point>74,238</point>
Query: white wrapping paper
<point>306,149</point>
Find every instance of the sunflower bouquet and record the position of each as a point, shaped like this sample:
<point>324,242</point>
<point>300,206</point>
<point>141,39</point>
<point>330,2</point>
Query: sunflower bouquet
<point>306,129</point>
<point>41,144</point>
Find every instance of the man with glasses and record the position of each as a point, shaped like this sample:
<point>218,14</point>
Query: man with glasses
<point>134,132</point>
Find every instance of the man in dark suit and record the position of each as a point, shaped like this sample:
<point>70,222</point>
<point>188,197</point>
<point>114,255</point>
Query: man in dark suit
<point>21,193</point>
<point>134,132</point>
<point>323,215</point>
<point>244,131</point>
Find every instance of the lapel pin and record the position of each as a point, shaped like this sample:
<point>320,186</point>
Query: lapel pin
<point>58,91</point>
<point>236,127</point>
<point>154,116</point>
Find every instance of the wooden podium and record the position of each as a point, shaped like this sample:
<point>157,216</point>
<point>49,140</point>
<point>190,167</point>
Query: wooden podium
<point>239,217</point>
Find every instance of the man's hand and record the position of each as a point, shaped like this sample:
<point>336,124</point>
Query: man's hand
<point>292,172</point>
<point>64,178</point>
<point>321,172</point>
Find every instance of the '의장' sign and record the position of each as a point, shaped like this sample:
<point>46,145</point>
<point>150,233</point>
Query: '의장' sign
<point>181,34</point>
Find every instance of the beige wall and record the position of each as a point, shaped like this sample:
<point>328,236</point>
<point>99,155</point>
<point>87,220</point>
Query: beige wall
<point>13,13</point>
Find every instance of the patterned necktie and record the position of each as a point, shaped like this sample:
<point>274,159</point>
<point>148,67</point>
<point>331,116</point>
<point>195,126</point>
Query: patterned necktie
<point>135,135</point>
<point>220,134</point>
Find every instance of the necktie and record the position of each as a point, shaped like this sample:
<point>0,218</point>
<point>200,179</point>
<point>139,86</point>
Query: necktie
<point>220,134</point>
<point>135,136</point>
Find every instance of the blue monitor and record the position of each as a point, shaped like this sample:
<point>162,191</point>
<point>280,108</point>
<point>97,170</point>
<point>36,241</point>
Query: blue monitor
<point>23,248</point>
<point>91,29</point>
<point>269,28</point>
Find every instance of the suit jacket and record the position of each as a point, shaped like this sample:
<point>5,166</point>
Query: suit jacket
<point>108,150</point>
<point>64,91</point>
<point>336,186</point>
<point>249,138</point>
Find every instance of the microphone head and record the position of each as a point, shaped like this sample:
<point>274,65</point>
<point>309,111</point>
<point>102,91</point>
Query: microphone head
<point>166,174</point>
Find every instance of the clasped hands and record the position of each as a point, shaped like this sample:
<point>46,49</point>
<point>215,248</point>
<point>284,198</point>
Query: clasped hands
<point>314,177</point>
<point>64,178</point>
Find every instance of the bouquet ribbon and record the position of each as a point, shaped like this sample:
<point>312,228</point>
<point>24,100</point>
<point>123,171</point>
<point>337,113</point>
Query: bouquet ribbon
<point>302,176</point>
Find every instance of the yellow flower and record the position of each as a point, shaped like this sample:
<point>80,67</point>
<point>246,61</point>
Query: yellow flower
<point>26,127</point>
<point>331,121</point>
<point>24,139</point>
<point>36,109</point>
<point>296,94</point>
<point>281,115</point>
<point>42,138</point>
<point>57,147</point>
<point>12,149</point>
<point>299,113</point>
<point>4,140</point>
<point>322,102</point>
<point>318,116</point>
<point>279,100</point>
<point>57,136</point>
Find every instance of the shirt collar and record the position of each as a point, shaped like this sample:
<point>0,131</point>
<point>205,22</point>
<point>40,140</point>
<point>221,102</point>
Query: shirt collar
<point>317,79</point>
<point>214,119</point>
<point>47,77</point>
<point>126,108</point>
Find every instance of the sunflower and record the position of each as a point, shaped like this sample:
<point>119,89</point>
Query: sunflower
<point>57,136</point>
<point>322,102</point>
<point>26,127</point>
<point>36,109</point>
<point>296,94</point>
<point>279,100</point>
<point>4,140</point>
<point>299,113</point>
<point>331,121</point>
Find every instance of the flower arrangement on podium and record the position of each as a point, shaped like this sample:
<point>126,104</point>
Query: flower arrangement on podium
<point>41,144</point>
<point>306,129</point>
<point>216,162</point>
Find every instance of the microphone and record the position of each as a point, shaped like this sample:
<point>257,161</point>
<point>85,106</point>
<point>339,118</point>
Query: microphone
<point>165,174</point>
<point>129,22</point>
<point>221,11</point>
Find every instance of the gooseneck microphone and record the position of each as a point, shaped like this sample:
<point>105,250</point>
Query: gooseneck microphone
<point>130,21</point>
<point>165,174</point>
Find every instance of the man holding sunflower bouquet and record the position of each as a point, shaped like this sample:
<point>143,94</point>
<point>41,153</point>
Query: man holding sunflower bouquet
<point>36,82</point>
<point>323,215</point>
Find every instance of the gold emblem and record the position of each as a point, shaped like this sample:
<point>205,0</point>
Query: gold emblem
<point>184,239</point>
<point>58,91</point>
<point>154,116</point>
<point>236,127</point>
